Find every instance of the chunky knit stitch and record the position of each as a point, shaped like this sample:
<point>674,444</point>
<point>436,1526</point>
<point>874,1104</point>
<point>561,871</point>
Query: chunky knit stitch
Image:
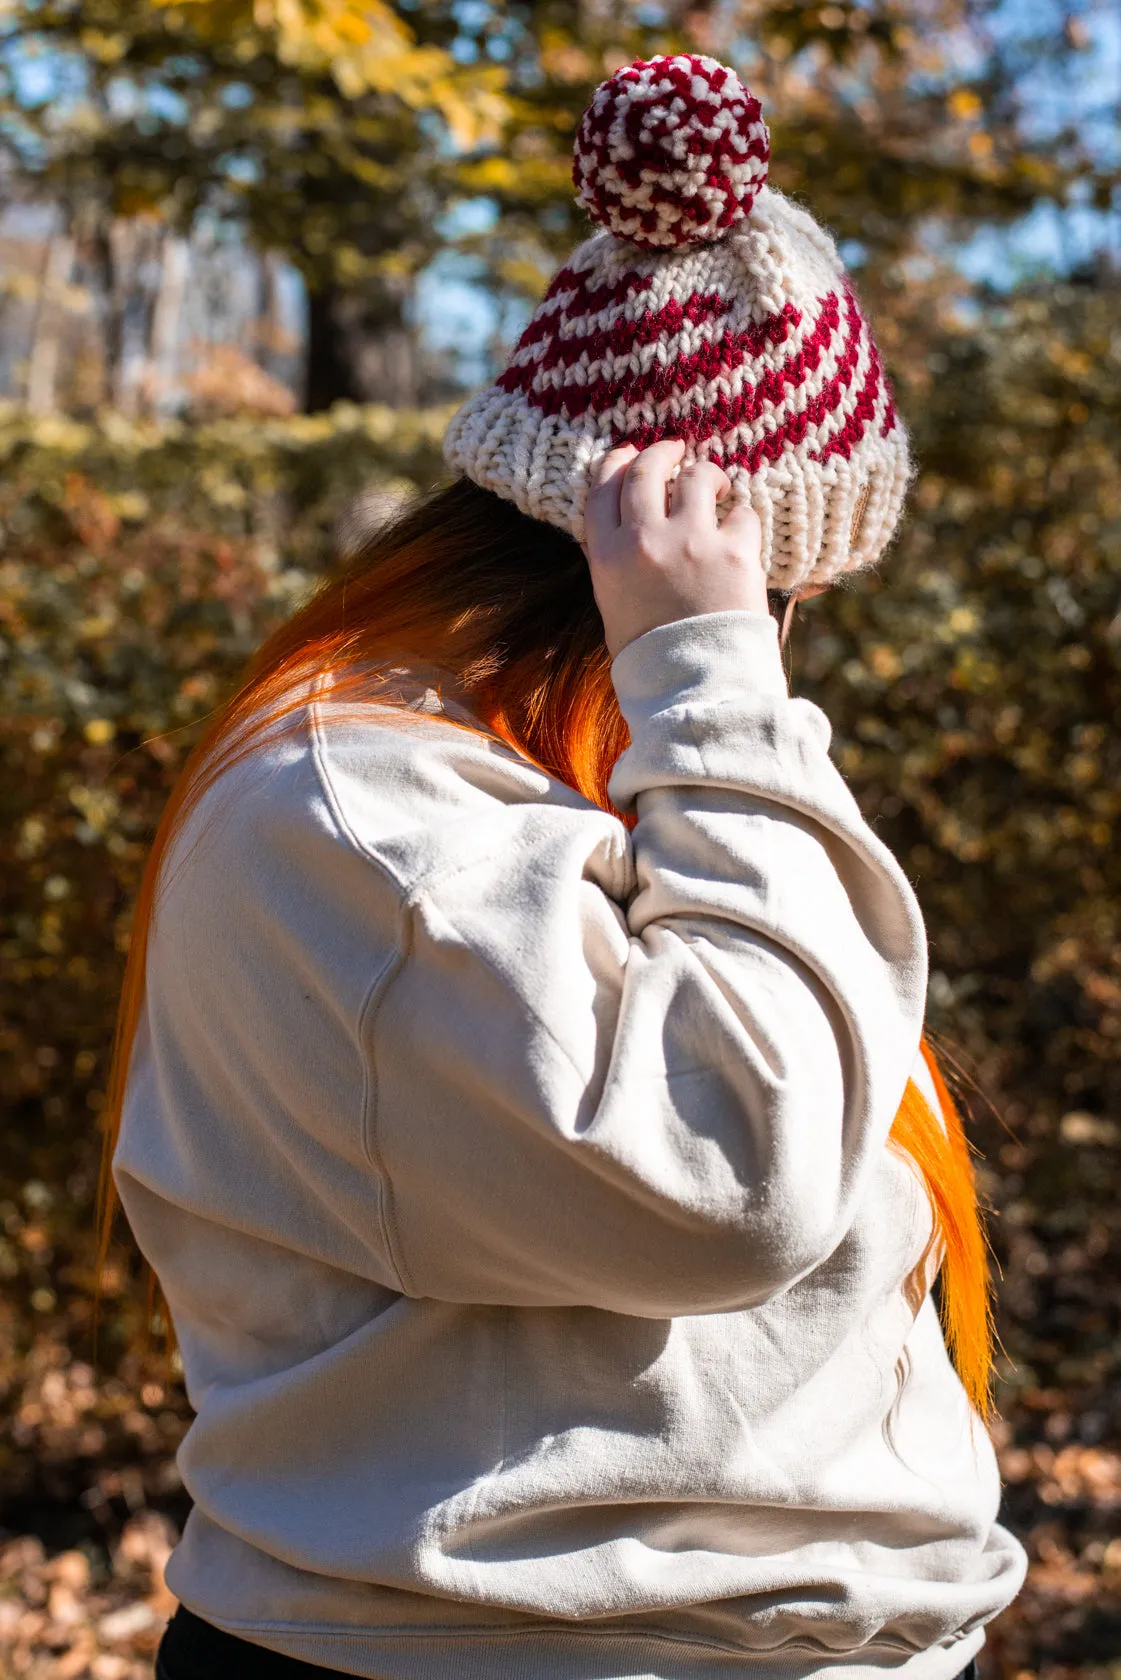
<point>710,308</point>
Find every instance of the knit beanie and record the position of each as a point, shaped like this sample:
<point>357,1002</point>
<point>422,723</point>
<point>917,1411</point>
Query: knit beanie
<point>710,308</point>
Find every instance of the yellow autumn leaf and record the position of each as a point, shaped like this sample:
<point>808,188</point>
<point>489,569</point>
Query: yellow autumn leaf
<point>492,174</point>
<point>964,103</point>
<point>365,48</point>
<point>98,732</point>
<point>106,49</point>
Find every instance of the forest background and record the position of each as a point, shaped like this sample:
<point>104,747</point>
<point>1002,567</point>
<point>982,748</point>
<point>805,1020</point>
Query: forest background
<point>253,251</point>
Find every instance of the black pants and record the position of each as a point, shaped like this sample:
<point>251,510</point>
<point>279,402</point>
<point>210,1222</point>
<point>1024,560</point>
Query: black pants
<point>193,1650</point>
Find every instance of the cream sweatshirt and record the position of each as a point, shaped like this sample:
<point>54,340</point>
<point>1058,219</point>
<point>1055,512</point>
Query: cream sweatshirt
<point>519,1188</point>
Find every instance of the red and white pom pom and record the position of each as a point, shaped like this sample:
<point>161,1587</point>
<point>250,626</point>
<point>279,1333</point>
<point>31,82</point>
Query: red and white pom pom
<point>671,151</point>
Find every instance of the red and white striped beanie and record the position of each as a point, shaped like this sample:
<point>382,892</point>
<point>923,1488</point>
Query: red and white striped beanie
<point>708,308</point>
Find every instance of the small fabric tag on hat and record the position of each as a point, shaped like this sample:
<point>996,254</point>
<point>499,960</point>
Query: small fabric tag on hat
<point>858,513</point>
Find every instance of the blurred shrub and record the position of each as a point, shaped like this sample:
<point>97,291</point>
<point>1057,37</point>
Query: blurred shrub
<point>977,687</point>
<point>975,690</point>
<point>230,382</point>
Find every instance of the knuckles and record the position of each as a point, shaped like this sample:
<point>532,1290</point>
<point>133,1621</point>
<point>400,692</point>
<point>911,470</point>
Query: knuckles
<point>702,470</point>
<point>704,549</point>
<point>704,473</point>
<point>645,547</point>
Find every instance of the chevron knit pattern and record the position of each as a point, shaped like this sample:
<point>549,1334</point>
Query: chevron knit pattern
<point>711,309</point>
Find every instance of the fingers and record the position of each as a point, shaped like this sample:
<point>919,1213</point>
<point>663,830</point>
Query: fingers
<point>601,512</point>
<point>630,486</point>
<point>743,533</point>
<point>643,497</point>
<point>697,489</point>
<point>742,527</point>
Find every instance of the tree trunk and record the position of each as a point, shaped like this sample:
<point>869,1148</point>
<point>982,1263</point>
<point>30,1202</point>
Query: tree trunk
<point>359,349</point>
<point>42,361</point>
<point>122,268</point>
<point>275,343</point>
<point>330,374</point>
<point>387,363</point>
<point>158,381</point>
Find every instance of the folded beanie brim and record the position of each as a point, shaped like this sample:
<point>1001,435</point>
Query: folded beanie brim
<point>753,349</point>
<point>818,520</point>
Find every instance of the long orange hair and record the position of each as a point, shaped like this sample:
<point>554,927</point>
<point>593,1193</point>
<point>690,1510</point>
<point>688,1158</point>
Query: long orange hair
<point>464,583</point>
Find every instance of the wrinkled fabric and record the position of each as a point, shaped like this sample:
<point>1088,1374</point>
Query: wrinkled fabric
<point>520,1191</point>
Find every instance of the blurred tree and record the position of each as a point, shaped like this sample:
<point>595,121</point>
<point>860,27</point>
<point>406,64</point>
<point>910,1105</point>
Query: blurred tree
<point>318,123</point>
<point>342,133</point>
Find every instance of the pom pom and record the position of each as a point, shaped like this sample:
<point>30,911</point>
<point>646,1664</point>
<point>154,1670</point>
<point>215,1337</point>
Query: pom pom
<point>671,152</point>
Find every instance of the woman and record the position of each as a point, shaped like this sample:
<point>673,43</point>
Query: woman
<point>525,1113</point>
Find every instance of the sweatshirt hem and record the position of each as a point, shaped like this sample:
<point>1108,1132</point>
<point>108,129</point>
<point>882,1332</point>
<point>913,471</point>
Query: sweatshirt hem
<point>542,1652</point>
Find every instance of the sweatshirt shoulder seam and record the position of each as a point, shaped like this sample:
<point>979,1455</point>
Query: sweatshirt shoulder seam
<point>372,999</point>
<point>409,900</point>
<point>330,792</point>
<point>411,894</point>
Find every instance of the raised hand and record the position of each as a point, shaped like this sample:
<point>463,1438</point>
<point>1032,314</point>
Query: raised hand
<point>656,553</point>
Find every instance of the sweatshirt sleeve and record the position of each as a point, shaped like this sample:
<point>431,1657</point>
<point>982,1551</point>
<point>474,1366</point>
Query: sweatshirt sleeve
<point>651,1074</point>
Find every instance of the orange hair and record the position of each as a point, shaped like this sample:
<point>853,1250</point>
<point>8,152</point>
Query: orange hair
<point>503,604</point>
